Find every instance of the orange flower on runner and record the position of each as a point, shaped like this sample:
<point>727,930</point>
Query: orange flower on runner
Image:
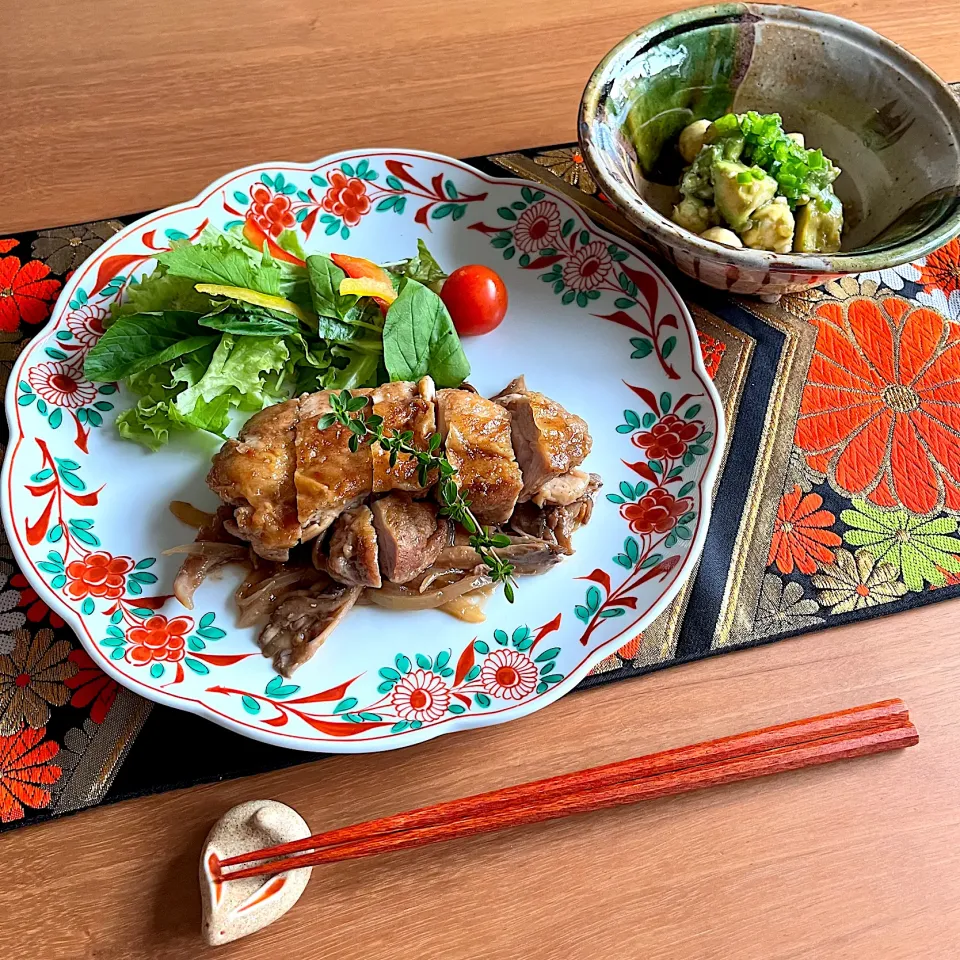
<point>801,536</point>
<point>158,639</point>
<point>25,772</point>
<point>940,278</point>
<point>25,292</point>
<point>880,414</point>
<point>90,685</point>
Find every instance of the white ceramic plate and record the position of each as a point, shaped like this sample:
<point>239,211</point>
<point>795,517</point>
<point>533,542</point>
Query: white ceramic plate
<point>592,323</point>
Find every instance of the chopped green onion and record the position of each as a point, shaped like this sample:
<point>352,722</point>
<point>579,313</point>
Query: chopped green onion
<point>745,177</point>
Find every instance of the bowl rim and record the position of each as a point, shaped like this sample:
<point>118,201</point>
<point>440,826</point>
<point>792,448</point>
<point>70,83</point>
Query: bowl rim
<point>645,216</point>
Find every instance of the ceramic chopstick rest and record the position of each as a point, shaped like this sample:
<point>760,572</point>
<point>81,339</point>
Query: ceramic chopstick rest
<point>240,907</point>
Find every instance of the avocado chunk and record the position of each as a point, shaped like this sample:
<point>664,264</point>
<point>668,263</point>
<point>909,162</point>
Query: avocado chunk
<point>771,227</point>
<point>818,229</point>
<point>730,143</point>
<point>694,215</point>
<point>737,201</point>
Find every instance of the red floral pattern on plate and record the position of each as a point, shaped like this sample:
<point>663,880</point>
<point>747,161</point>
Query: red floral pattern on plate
<point>346,197</point>
<point>98,575</point>
<point>657,512</point>
<point>158,639</point>
<point>272,212</point>
<point>62,385</point>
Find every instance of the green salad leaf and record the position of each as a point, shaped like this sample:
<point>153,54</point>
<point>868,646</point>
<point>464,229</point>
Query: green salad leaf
<point>223,263</point>
<point>261,329</point>
<point>158,292</point>
<point>134,344</point>
<point>325,278</point>
<point>247,320</point>
<point>419,338</point>
<point>235,372</point>
<point>423,268</point>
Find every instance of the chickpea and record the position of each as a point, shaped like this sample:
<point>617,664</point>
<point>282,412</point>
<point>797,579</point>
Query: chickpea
<point>691,139</point>
<point>721,235</point>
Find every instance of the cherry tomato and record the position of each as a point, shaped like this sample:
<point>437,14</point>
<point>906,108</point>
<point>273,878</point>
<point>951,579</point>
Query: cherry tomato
<point>476,298</point>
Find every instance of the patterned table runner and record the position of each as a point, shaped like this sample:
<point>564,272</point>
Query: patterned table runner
<point>838,501</point>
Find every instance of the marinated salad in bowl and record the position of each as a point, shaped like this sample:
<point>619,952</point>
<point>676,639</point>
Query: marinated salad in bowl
<point>748,183</point>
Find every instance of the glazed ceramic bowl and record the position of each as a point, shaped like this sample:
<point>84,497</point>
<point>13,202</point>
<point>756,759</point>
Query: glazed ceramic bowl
<point>887,120</point>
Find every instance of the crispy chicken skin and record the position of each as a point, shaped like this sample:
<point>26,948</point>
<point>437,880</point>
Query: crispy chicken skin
<point>255,473</point>
<point>404,406</point>
<point>548,440</point>
<point>476,434</point>
<point>329,477</point>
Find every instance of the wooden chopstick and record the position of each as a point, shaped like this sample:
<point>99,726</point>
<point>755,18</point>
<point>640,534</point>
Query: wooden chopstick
<point>847,733</point>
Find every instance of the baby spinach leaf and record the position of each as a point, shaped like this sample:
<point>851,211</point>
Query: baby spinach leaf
<point>250,321</point>
<point>325,277</point>
<point>419,339</point>
<point>134,344</point>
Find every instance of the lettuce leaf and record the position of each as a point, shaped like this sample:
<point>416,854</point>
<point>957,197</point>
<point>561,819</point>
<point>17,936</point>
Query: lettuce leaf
<point>158,292</point>
<point>423,268</point>
<point>220,262</point>
<point>235,371</point>
<point>147,423</point>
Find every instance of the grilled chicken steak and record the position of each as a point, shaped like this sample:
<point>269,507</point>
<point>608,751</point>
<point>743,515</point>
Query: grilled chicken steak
<point>288,482</point>
<point>330,478</point>
<point>353,549</point>
<point>404,407</point>
<point>547,439</point>
<point>255,473</point>
<point>410,534</point>
<point>476,435</point>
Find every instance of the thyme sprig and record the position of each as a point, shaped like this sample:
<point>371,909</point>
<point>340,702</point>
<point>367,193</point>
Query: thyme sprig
<point>349,410</point>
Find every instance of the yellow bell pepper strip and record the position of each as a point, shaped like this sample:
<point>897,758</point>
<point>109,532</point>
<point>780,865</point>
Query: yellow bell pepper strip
<point>270,302</point>
<point>356,268</point>
<point>381,291</point>
<point>256,236</point>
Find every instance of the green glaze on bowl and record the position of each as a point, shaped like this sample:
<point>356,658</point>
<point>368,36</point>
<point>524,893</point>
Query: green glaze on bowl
<point>889,122</point>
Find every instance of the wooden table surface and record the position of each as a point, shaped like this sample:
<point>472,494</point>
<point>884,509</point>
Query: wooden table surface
<point>115,106</point>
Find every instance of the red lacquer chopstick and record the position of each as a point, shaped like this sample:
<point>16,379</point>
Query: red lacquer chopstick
<point>848,733</point>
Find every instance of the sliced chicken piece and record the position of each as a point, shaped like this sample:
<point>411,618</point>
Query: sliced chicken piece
<point>255,474</point>
<point>476,434</point>
<point>556,524</point>
<point>410,534</point>
<point>300,625</point>
<point>404,406</point>
<point>330,478</point>
<point>353,553</point>
<point>563,490</point>
<point>547,439</point>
